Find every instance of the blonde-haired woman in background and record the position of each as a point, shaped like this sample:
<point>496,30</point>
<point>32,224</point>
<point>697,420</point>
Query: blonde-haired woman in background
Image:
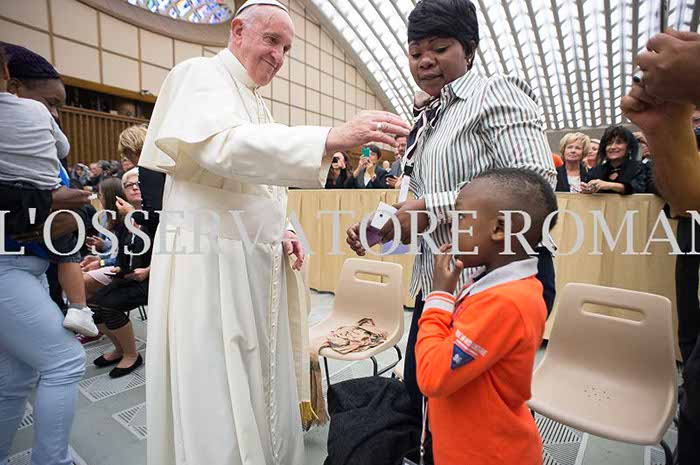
<point>574,146</point>
<point>131,143</point>
<point>591,158</point>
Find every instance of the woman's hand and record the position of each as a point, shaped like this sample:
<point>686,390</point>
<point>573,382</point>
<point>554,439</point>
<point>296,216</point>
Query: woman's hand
<point>97,242</point>
<point>363,163</point>
<point>139,274</point>
<point>124,207</point>
<point>404,217</point>
<point>353,240</point>
<point>90,263</point>
<point>446,276</point>
<point>594,185</point>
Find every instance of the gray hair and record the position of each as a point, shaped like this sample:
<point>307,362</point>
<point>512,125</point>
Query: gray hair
<point>251,15</point>
<point>130,173</point>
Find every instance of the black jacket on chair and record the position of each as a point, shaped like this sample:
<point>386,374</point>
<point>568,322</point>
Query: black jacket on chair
<point>563,179</point>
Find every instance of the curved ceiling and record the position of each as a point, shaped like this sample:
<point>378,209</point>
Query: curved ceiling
<point>193,11</point>
<point>578,55</point>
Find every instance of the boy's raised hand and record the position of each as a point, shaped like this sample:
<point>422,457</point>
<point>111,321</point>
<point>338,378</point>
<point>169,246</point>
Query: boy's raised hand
<point>446,276</point>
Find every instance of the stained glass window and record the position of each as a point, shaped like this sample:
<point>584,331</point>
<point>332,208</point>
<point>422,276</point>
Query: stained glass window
<point>194,11</point>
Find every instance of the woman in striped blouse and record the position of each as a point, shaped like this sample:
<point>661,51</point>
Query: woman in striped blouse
<point>470,125</point>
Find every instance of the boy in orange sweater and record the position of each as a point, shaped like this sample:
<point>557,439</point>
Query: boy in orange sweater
<point>475,353</point>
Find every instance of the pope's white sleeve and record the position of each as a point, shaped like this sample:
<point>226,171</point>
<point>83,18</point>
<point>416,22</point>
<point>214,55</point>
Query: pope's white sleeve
<point>272,154</point>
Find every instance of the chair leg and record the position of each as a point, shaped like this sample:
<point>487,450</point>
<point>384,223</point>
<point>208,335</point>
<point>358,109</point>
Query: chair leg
<point>389,367</point>
<point>667,453</point>
<point>398,352</point>
<point>375,370</point>
<point>328,376</point>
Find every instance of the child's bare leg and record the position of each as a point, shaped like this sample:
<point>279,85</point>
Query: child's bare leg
<point>71,278</point>
<point>79,316</point>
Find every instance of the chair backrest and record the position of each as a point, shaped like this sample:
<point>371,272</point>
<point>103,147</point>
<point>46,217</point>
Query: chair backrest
<point>614,349</point>
<point>358,298</point>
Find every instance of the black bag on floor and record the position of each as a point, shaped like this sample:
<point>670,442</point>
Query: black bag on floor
<point>372,423</point>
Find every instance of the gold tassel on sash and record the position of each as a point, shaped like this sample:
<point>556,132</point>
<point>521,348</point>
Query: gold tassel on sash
<point>318,401</point>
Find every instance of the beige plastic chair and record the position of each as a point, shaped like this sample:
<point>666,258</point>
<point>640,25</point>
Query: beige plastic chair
<point>357,298</point>
<point>608,376</point>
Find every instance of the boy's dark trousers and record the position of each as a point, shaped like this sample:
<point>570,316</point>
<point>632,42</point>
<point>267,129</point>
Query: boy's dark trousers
<point>545,273</point>
<point>687,267</point>
<point>689,418</point>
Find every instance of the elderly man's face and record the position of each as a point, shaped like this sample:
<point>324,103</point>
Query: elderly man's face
<point>696,119</point>
<point>261,42</point>
<point>95,169</point>
<point>435,62</point>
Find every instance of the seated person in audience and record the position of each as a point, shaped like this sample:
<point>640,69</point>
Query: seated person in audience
<point>115,169</point>
<point>30,152</point>
<point>368,175</point>
<point>339,175</point>
<point>617,170</point>
<point>78,176</point>
<point>475,353</point>
<point>647,160</point>
<point>393,179</point>
<point>645,152</point>
<point>97,268</point>
<point>592,155</point>
<point>98,171</point>
<point>126,165</point>
<point>127,290</point>
<point>573,172</point>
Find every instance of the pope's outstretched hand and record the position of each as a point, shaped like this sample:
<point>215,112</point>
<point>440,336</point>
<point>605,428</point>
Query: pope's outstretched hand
<point>364,128</point>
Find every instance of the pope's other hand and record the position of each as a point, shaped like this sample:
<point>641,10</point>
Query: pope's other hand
<point>364,128</point>
<point>292,246</point>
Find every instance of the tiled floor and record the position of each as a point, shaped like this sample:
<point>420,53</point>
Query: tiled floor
<point>110,422</point>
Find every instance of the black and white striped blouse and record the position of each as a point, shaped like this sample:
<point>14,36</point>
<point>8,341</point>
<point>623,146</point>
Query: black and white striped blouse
<point>483,124</point>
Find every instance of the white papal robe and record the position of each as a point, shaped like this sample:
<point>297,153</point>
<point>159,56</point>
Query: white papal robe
<point>220,385</point>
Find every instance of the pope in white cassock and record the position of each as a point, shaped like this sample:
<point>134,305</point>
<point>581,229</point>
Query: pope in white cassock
<point>221,385</point>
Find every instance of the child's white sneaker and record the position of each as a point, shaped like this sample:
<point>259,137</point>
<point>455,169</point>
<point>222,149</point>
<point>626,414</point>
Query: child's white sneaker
<point>79,320</point>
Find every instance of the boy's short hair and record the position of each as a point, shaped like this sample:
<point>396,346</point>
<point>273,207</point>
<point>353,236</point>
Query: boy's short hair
<point>525,190</point>
<point>30,68</point>
<point>131,139</point>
